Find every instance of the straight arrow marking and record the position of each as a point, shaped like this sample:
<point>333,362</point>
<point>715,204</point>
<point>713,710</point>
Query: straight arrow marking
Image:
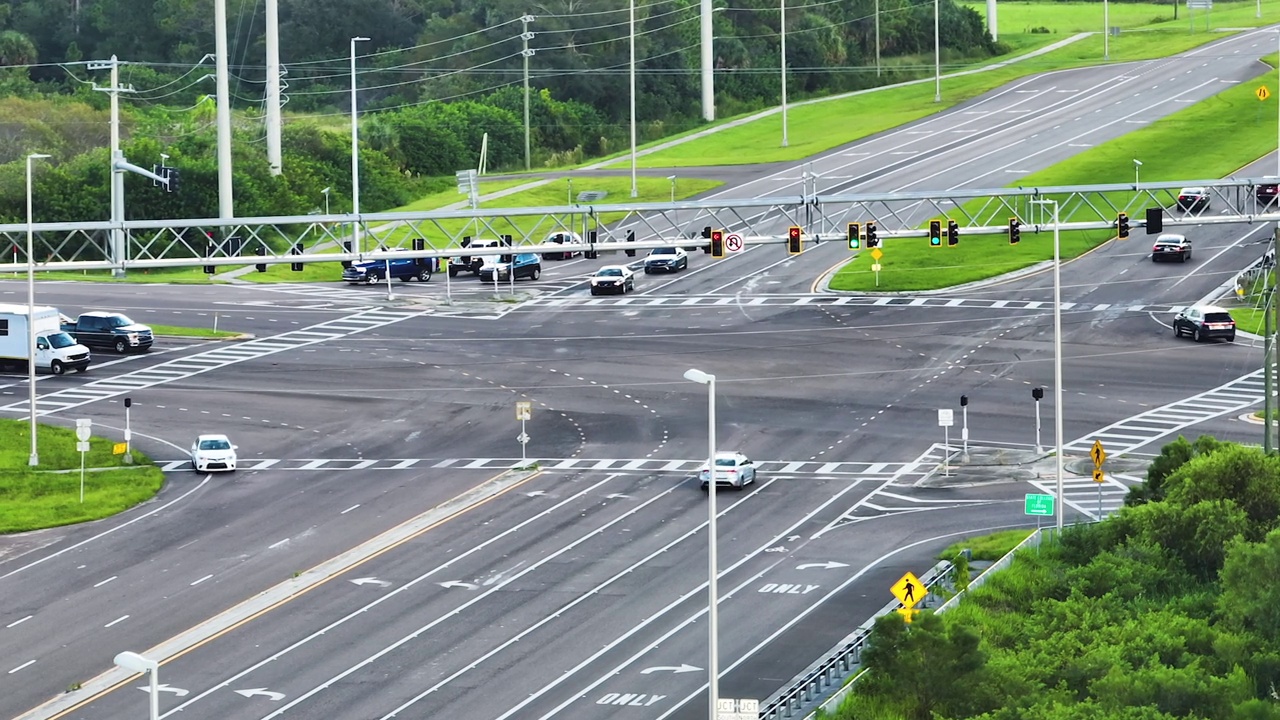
<point>828,565</point>
<point>673,669</point>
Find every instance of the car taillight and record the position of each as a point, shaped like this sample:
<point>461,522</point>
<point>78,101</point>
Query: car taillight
<point>731,472</point>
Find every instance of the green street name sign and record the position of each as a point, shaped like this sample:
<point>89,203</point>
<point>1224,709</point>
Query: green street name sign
<point>1039,505</point>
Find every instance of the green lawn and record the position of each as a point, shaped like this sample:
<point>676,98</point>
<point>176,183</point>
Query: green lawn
<point>824,125</point>
<point>31,499</point>
<point>177,331</point>
<point>1231,129</point>
<point>987,547</point>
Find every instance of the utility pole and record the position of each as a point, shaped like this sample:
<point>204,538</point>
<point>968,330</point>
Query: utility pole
<point>708,78</point>
<point>116,195</point>
<point>1268,409</point>
<point>225,207</point>
<point>526,53</point>
<point>274,160</point>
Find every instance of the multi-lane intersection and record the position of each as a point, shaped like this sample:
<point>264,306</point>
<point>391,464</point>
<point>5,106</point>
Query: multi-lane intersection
<point>372,558</point>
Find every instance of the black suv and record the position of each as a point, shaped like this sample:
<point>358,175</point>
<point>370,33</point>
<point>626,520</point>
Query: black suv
<point>1203,322</point>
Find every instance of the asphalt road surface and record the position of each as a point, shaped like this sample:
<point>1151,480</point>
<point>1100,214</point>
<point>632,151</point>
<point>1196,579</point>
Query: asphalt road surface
<point>373,557</point>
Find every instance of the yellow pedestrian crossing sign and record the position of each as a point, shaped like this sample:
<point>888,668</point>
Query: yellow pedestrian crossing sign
<point>1262,92</point>
<point>1098,453</point>
<point>909,590</point>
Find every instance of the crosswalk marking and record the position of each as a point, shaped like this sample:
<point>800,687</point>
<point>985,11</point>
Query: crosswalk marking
<point>792,467</point>
<point>186,367</point>
<point>838,300</point>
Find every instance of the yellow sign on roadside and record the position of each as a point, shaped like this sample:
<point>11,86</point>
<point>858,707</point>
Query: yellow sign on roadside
<point>1262,92</point>
<point>119,448</point>
<point>1097,475</point>
<point>876,254</point>
<point>909,590</point>
<point>1098,453</point>
<point>524,409</point>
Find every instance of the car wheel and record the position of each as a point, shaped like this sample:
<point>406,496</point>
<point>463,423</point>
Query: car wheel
<point>57,368</point>
<point>424,275</point>
<point>1195,335</point>
<point>453,272</point>
<point>1182,258</point>
<point>122,347</point>
<point>647,271</point>
<point>537,273</point>
<point>1177,331</point>
<point>594,292</point>
<point>1231,338</point>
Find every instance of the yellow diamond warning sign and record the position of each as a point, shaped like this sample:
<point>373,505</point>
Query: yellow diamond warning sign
<point>909,590</point>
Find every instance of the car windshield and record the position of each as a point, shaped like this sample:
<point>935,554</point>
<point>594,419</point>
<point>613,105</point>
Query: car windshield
<point>116,321</point>
<point>610,272</point>
<point>1217,317</point>
<point>61,340</point>
<point>663,251</point>
<point>726,462</point>
<point>215,445</point>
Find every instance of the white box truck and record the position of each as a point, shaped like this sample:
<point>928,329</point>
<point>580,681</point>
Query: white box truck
<point>55,350</point>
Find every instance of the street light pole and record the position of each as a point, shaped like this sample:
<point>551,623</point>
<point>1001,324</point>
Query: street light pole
<point>1057,352</point>
<point>634,191</point>
<point>355,151</point>
<point>782,28</point>
<point>31,314</point>
<point>937,56</point>
<point>713,670</point>
<point>672,178</point>
<point>1136,164</point>
<point>325,192</point>
<point>139,664</point>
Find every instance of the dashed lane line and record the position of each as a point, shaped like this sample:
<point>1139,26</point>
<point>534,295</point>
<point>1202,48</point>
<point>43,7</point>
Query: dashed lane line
<point>188,366</point>
<point>930,301</point>
<point>652,465</point>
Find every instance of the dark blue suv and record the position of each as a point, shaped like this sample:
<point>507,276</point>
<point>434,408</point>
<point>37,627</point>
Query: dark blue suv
<point>372,271</point>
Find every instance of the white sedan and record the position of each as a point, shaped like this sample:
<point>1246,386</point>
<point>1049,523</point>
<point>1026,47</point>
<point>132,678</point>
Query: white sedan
<point>613,279</point>
<point>732,469</point>
<point>213,452</point>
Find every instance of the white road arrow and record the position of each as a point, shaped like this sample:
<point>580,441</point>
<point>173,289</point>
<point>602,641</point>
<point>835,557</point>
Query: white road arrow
<point>458,583</point>
<point>275,696</point>
<point>793,538</point>
<point>535,493</point>
<point>673,669</point>
<point>371,581</point>
<point>166,688</point>
<point>616,496</point>
<point>828,565</point>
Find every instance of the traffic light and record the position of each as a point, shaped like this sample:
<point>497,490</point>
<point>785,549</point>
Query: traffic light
<point>346,248</point>
<point>1155,220</point>
<point>717,243</point>
<point>172,184</point>
<point>296,250</point>
<point>793,240</point>
<point>706,234</point>
<point>1015,230</point>
<point>1037,393</point>
<point>1122,226</point>
<point>953,233</point>
<point>631,237</point>
<point>260,251</point>
<point>593,253</point>
<point>855,236</point>
<point>872,240</point>
<point>209,249</point>
<point>935,233</point>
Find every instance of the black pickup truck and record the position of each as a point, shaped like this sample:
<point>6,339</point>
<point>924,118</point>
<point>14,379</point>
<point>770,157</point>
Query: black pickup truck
<point>109,330</point>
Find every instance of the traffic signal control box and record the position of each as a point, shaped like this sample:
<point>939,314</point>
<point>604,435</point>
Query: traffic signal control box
<point>717,243</point>
<point>855,236</point>
<point>793,240</point>
<point>935,233</point>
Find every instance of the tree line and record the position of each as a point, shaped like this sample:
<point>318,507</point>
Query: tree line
<point>1164,611</point>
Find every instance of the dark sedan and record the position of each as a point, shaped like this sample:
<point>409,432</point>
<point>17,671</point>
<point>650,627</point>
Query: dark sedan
<point>1169,246</point>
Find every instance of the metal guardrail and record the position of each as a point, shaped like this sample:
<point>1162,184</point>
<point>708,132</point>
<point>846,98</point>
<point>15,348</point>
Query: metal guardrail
<point>817,681</point>
<point>824,685</point>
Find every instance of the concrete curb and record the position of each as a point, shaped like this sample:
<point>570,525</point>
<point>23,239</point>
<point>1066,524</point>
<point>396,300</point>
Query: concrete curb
<point>270,599</point>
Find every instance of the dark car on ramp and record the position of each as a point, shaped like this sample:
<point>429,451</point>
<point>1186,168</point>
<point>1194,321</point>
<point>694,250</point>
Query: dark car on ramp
<point>1204,322</point>
<point>1170,246</point>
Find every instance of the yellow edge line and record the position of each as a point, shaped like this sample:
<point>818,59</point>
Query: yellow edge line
<point>301,592</point>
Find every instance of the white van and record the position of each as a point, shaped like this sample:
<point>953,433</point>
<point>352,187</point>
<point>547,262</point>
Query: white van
<point>55,350</point>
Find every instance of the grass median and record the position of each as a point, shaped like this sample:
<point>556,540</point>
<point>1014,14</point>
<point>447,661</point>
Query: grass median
<point>48,495</point>
<point>1231,129</point>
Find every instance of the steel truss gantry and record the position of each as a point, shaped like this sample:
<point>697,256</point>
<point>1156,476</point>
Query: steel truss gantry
<point>608,227</point>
